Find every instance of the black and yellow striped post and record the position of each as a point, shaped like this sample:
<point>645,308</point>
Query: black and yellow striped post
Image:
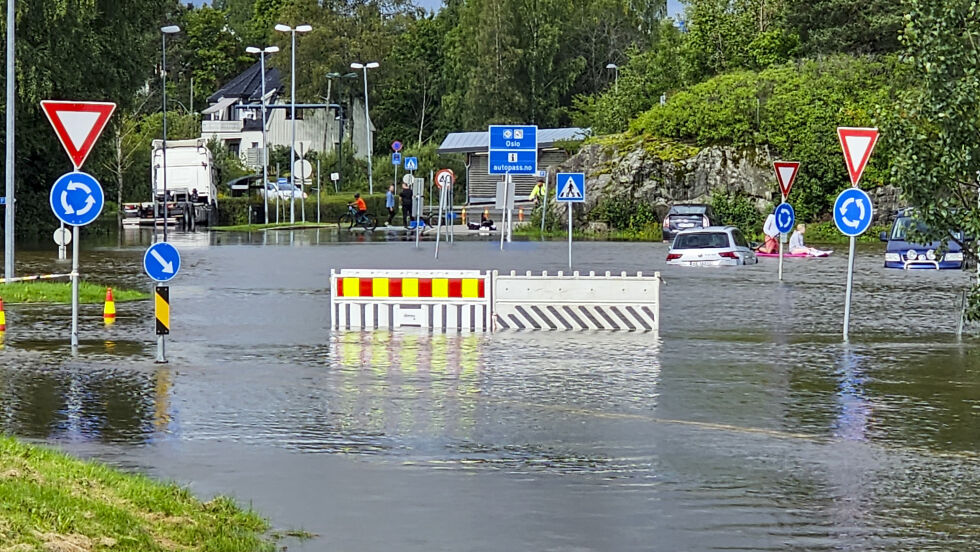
<point>162,304</point>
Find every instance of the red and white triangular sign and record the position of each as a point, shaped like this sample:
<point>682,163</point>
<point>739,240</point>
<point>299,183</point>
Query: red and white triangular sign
<point>78,125</point>
<point>786,174</point>
<point>857,143</point>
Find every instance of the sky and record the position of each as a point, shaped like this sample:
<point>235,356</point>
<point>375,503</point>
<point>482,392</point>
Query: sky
<point>673,6</point>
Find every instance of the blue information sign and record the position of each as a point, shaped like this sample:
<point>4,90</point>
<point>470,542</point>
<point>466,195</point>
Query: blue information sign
<point>76,198</point>
<point>570,188</point>
<point>396,158</point>
<point>853,212</point>
<point>3,200</point>
<point>513,149</point>
<point>785,217</point>
<point>161,261</point>
<point>411,163</point>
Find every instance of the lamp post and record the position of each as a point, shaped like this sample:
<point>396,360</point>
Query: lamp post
<point>164,31</point>
<point>615,69</point>
<point>265,147</point>
<point>367,118</point>
<point>292,85</point>
<point>341,117</point>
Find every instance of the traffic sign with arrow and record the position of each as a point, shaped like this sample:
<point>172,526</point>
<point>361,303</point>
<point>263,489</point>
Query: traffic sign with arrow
<point>76,198</point>
<point>161,261</point>
<point>857,143</point>
<point>786,172</point>
<point>78,125</point>
<point>785,217</point>
<point>853,212</point>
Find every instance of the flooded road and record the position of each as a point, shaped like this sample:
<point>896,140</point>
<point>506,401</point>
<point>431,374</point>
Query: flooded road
<point>745,425</point>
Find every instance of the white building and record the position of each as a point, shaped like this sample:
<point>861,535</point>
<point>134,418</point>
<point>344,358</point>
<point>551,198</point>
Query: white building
<point>234,117</point>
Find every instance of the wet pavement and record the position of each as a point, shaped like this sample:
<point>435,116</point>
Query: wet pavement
<point>746,424</point>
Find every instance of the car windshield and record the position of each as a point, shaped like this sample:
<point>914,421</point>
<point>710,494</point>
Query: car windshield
<point>687,210</point>
<point>904,225</point>
<point>701,240</point>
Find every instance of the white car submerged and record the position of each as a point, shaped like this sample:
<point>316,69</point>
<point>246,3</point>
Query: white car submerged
<point>711,246</point>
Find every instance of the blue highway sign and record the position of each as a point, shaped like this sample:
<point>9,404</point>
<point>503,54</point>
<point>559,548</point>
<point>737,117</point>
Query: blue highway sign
<point>3,200</point>
<point>853,212</point>
<point>570,188</point>
<point>785,217</point>
<point>76,198</point>
<point>396,158</point>
<point>513,149</point>
<point>161,261</point>
<point>411,163</point>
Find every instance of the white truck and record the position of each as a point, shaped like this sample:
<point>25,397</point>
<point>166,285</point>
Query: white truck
<point>192,196</point>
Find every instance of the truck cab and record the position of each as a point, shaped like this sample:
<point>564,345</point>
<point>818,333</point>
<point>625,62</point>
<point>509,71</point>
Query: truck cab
<point>905,254</point>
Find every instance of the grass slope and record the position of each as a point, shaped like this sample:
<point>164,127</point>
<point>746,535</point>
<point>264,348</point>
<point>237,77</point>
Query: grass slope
<point>60,292</point>
<point>50,501</point>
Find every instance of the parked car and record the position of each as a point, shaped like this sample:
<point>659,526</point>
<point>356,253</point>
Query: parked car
<point>711,246</point>
<point>284,190</point>
<point>901,253</point>
<point>686,217</point>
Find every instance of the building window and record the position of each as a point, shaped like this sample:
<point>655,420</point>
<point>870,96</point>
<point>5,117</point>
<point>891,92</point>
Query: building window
<point>299,114</point>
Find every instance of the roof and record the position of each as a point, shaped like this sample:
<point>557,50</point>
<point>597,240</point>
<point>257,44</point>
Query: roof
<point>248,85</point>
<point>470,142</point>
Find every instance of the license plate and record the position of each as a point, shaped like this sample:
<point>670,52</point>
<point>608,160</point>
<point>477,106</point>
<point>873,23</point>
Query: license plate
<point>701,263</point>
<point>686,225</point>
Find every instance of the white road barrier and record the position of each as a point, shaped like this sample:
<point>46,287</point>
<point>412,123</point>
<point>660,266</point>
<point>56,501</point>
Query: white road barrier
<point>576,302</point>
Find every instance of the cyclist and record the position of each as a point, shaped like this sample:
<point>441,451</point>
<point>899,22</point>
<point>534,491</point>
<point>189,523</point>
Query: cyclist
<point>361,207</point>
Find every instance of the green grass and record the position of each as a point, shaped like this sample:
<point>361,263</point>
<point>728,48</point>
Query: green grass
<point>47,291</point>
<point>50,501</point>
<point>271,226</point>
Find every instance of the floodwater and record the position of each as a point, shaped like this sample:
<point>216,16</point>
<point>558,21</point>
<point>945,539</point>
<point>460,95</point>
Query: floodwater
<point>745,425</point>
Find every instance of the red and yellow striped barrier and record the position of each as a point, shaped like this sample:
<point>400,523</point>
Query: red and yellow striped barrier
<point>412,288</point>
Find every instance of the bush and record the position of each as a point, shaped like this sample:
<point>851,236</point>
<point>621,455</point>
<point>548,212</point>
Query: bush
<point>625,213</point>
<point>234,211</point>
<point>736,210</point>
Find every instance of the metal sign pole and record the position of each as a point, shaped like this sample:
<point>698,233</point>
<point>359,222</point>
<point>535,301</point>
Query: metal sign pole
<point>850,281</point>
<point>503,212</point>
<point>430,192</point>
<point>74,290</point>
<point>442,202</point>
<point>62,250</point>
<point>510,209</point>
<point>417,207</point>
<point>544,205</point>
<point>569,235</point>
<point>318,190</point>
<point>452,216</point>
<point>781,250</point>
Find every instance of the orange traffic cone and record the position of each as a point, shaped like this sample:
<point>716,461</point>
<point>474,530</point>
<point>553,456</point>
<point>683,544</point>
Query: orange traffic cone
<point>463,215</point>
<point>520,215</point>
<point>486,213</point>
<point>3,318</point>
<point>109,311</point>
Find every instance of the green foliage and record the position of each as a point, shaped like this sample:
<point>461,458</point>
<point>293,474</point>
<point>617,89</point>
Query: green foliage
<point>48,291</point>
<point>234,211</point>
<point>856,27</point>
<point>827,233</point>
<point>625,213</point>
<point>933,132</point>
<point>736,210</point>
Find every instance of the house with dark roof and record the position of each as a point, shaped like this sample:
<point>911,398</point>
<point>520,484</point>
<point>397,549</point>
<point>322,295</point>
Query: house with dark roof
<point>481,186</point>
<point>234,117</point>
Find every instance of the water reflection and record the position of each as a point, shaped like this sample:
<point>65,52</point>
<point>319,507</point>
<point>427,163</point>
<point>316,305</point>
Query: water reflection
<point>854,407</point>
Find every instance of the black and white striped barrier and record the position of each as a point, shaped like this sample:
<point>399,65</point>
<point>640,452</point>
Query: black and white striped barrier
<point>476,301</point>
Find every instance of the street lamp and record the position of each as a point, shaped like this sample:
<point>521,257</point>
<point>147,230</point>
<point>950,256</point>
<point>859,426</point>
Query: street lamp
<point>340,117</point>
<point>615,68</point>
<point>265,147</point>
<point>8,229</point>
<point>164,31</point>
<point>367,117</point>
<point>292,85</point>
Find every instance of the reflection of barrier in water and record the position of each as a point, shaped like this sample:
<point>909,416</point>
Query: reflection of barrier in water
<point>390,382</point>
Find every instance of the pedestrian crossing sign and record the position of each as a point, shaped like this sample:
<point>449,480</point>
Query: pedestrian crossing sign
<point>571,187</point>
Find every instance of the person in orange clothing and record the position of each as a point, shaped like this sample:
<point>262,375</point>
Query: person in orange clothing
<point>361,207</point>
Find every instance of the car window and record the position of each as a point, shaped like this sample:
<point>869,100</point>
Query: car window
<point>739,239</point>
<point>687,210</point>
<point>701,240</point>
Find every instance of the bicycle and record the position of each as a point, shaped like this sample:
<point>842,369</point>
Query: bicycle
<point>350,220</point>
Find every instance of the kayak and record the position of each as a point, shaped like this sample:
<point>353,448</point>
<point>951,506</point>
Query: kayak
<point>793,255</point>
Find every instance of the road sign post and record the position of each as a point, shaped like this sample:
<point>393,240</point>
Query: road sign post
<point>785,217</point>
<point>513,149</point>
<point>786,172</point>
<point>444,180</point>
<point>570,188</point>
<point>162,263</point>
<point>853,211</point>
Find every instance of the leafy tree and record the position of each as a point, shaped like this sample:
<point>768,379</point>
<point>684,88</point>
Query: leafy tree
<point>847,26</point>
<point>934,132</point>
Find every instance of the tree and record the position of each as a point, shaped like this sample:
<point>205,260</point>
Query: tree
<point>933,134</point>
<point>847,26</point>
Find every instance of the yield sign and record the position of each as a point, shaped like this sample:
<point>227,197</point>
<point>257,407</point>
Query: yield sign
<point>857,143</point>
<point>78,125</point>
<point>785,174</point>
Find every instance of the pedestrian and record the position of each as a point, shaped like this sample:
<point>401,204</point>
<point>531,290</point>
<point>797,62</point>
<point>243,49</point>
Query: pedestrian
<point>537,193</point>
<point>390,204</point>
<point>406,195</point>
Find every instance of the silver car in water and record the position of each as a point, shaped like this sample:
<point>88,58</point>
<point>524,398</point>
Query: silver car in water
<point>711,246</point>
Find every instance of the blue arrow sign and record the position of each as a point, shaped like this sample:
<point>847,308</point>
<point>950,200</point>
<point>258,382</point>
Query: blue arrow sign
<point>76,198</point>
<point>161,261</point>
<point>853,212</point>
<point>785,217</point>
<point>396,159</point>
<point>411,163</point>
<point>513,149</point>
<point>570,188</point>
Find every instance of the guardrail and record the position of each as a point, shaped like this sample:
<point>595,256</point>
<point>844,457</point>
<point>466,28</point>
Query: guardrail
<point>37,277</point>
<point>477,301</point>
